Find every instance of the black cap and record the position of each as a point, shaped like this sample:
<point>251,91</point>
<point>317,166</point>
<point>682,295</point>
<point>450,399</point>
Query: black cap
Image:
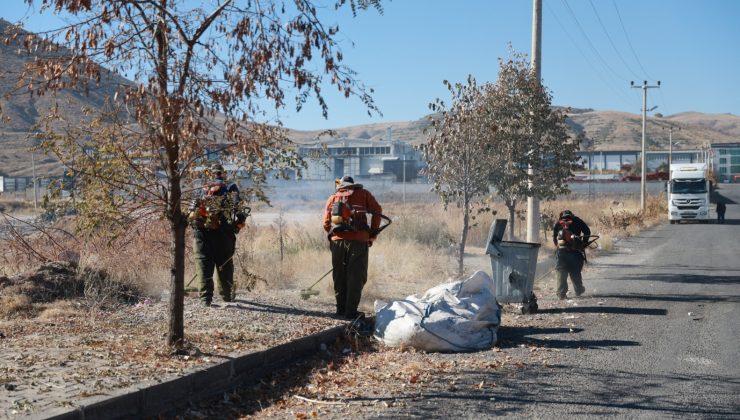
<point>345,181</point>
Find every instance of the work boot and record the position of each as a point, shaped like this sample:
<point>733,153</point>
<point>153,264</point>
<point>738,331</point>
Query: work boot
<point>354,315</point>
<point>206,302</point>
<point>580,291</point>
<point>561,297</point>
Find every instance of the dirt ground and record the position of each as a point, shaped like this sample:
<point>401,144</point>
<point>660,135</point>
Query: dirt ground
<point>70,351</point>
<point>75,352</point>
<point>360,378</point>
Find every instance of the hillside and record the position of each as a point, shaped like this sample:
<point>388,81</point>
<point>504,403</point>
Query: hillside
<point>610,130</point>
<point>20,111</point>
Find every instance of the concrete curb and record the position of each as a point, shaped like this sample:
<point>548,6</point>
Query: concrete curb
<point>150,401</point>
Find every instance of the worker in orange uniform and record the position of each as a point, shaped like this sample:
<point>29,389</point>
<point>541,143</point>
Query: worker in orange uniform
<point>346,221</point>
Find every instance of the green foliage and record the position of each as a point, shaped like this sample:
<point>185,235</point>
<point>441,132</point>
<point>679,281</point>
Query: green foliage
<point>456,154</point>
<point>524,131</point>
<point>456,150</point>
<point>493,135</point>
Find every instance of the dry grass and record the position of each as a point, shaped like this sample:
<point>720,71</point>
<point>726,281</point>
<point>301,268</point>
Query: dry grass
<point>416,252</point>
<point>98,348</point>
<point>60,309</point>
<point>15,305</point>
<point>419,249</point>
<point>9,204</point>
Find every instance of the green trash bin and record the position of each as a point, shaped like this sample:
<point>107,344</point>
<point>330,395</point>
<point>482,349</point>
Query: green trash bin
<point>513,265</point>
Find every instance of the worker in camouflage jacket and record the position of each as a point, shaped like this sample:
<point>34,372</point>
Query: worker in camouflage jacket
<point>350,236</point>
<point>216,217</point>
<point>569,234</point>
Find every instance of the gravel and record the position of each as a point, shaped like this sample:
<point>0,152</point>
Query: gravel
<point>60,359</point>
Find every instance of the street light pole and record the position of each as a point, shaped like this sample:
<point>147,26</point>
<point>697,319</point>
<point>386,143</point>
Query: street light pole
<point>404,179</point>
<point>533,204</point>
<point>643,156</point>
<point>670,145</point>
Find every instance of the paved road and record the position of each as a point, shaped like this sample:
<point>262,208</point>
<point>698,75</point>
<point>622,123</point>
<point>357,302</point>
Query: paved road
<point>656,336</point>
<point>672,348</point>
<point>659,336</point>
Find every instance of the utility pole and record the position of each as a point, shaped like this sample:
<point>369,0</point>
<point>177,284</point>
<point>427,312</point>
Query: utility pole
<point>591,189</point>
<point>533,204</point>
<point>404,179</point>
<point>670,146</point>
<point>643,156</point>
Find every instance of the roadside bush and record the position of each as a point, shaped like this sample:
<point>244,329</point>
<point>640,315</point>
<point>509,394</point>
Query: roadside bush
<point>25,294</point>
<point>102,290</point>
<point>15,305</point>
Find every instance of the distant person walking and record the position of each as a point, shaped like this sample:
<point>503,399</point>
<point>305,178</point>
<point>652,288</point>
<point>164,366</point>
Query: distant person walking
<point>721,208</point>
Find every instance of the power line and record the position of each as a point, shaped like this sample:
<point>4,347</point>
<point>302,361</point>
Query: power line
<point>619,92</point>
<point>628,40</point>
<point>606,32</point>
<point>590,44</point>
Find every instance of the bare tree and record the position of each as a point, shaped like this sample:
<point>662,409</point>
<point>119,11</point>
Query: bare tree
<point>522,129</point>
<point>201,75</point>
<point>456,155</point>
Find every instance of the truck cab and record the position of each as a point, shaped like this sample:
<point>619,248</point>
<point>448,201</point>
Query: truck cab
<point>688,192</point>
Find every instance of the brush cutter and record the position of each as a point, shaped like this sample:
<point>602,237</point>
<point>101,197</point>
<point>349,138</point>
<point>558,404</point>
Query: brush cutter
<point>589,240</point>
<point>307,293</point>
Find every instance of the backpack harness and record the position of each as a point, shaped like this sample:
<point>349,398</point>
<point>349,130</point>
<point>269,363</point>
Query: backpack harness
<point>348,218</point>
<point>566,238</point>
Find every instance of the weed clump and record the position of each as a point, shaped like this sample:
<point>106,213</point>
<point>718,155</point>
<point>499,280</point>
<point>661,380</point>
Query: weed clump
<point>26,294</point>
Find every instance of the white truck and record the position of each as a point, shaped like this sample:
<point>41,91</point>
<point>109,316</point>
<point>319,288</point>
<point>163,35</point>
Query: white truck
<point>688,192</point>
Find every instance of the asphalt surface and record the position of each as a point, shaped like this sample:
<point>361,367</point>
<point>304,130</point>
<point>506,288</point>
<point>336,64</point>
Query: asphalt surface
<point>657,336</point>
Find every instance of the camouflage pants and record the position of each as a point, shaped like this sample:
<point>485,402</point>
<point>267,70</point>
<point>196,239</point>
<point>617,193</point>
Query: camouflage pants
<point>349,260</point>
<point>569,263</point>
<point>214,250</point>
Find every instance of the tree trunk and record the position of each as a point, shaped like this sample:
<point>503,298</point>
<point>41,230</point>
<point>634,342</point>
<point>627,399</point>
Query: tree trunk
<point>463,238</point>
<point>512,218</point>
<point>176,332</point>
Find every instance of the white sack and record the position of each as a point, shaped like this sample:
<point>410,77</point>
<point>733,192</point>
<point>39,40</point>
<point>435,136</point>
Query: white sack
<point>452,317</point>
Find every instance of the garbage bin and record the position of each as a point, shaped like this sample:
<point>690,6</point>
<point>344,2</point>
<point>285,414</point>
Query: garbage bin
<point>513,265</point>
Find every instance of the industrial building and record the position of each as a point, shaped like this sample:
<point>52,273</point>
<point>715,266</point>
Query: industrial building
<point>726,161</point>
<point>361,158</point>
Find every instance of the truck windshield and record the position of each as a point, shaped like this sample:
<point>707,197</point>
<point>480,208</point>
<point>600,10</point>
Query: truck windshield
<point>688,186</point>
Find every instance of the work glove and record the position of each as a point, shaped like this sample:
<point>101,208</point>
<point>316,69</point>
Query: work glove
<point>240,222</point>
<point>195,221</point>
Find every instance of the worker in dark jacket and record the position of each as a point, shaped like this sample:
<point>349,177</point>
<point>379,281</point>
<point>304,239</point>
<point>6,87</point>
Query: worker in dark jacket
<point>345,220</point>
<point>569,234</point>
<point>216,217</point>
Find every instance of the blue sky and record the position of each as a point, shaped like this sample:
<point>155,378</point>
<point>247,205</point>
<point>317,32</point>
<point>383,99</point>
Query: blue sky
<point>692,47</point>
